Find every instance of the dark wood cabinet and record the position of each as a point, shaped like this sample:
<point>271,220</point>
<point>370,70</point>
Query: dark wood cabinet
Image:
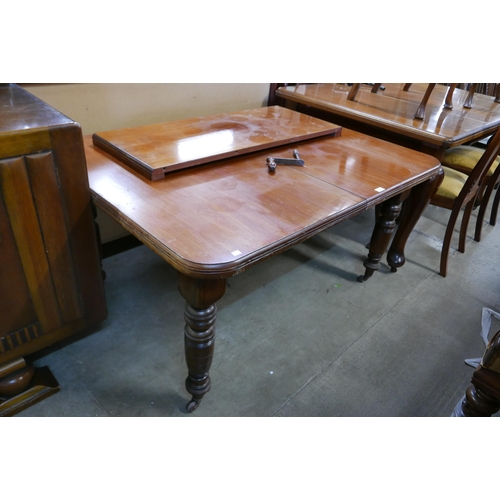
<point>50,274</point>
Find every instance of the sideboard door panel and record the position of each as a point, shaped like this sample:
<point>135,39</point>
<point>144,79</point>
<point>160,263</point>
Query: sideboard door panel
<point>51,212</point>
<point>16,307</point>
<point>21,210</point>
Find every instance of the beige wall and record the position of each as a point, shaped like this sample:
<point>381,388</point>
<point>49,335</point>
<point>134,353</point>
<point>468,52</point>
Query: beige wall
<point>107,106</point>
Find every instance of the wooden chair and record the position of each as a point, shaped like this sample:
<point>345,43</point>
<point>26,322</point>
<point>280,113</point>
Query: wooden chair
<point>464,159</point>
<point>458,191</point>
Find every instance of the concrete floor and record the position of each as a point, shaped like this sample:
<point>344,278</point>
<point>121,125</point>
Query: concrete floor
<point>297,335</point>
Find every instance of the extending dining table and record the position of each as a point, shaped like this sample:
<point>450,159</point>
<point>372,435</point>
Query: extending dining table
<point>216,218</point>
<point>390,113</point>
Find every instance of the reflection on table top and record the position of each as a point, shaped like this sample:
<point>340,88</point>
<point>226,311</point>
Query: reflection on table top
<point>393,109</point>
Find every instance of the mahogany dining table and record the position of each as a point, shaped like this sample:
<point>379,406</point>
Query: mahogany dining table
<point>214,220</point>
<point>390,113</point>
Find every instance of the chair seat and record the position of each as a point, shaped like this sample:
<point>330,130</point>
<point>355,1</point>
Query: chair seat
<point>452,184</point>
<point>465,158</point>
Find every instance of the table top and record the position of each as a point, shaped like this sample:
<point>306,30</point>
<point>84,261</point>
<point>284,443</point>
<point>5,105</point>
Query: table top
<point>217,219</point>
<point>393,109</point>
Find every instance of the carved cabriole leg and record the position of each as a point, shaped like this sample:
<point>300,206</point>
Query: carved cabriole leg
<point>199,332</point>
<point>420,114</point>
<point>384,227</point>
<point>415,204</point>
<point>470,96</point>
<point>448,104</point>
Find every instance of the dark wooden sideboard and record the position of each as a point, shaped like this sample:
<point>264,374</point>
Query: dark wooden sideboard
<point>50,273</point>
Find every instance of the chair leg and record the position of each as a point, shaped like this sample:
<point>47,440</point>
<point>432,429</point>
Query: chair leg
<point>494,208</point>
<point>482,209</point>
<point>449,96</point>
<point>464,226</point>
<point>446,242</point>
<point>470,96</point>
<point>353,92</point>
<point>420,114</point>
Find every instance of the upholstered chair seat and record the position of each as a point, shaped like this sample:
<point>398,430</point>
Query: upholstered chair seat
<point>451,186</point>
<point>465,158</point>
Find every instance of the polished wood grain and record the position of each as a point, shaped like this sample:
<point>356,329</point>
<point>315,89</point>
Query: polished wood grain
<point>390,114</point>
<point>50,285</point>
<point>153,150</point>
<point>213,221</point>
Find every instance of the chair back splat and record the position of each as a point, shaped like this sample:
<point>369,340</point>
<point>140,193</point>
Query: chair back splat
<point>480,171</point>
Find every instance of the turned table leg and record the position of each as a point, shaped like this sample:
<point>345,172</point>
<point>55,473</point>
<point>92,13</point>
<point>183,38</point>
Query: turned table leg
<point>482,398</point>
<point>199,333</point>
<point>414,206</point>
<point>384,227</point>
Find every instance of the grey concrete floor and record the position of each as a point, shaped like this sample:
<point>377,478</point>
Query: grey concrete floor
<point>297,335</point>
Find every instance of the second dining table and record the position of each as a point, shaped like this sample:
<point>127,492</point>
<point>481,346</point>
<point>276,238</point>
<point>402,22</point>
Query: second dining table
<point>390,112</point>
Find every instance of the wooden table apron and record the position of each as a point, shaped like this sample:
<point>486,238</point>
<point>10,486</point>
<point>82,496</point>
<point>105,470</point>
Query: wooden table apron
<point>214,221</point>
<point>390,113</point>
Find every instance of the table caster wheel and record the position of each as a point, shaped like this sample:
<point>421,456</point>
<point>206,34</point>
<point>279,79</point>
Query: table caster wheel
<point>192,405</point>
